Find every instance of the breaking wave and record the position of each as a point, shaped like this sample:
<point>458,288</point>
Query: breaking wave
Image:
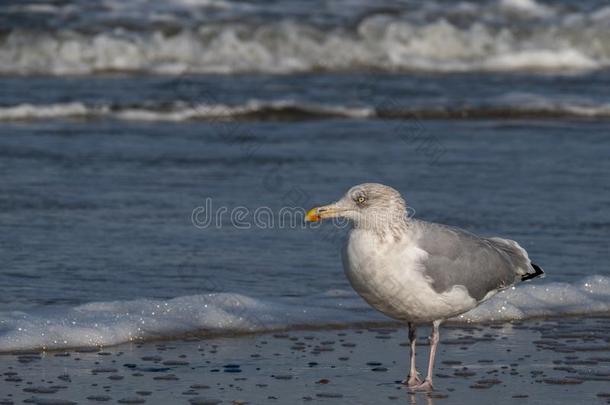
<point>505,108</point>
<point>509,35</point>
<point>110,323</point>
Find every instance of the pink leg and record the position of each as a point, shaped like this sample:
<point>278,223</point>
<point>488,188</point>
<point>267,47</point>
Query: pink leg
<point>413,379</point>
<point>427,384</point>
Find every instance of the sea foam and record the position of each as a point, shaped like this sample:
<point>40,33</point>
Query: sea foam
<point>110,323</point>
<point>505,106</point>
<point>511,35</point>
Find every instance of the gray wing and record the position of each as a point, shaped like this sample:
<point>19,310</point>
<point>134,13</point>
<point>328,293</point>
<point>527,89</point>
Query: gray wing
<point>456,257</point>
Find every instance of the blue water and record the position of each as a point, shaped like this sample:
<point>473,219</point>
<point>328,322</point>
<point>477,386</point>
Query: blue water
<point>101,167</point>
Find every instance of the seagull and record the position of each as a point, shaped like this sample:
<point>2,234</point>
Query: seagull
<point>416,271</point>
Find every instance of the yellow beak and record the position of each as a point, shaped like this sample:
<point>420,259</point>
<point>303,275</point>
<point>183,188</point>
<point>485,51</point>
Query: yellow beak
<point>318,213</point>
<point>312,215</point>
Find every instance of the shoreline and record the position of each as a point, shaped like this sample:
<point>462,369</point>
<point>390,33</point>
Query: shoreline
<point>207,334</point>
<point>558,360</point>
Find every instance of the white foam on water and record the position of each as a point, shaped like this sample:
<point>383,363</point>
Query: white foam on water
<point>542,60</point>
<point>532,299</point>
<point>109,323</point>
<point>576,106</point>
<point>413,41</point>
<point>515,104</point>
<point>179,111</point>
<point>32,111</point>
<point>528,7</point>
<point>253,107</point>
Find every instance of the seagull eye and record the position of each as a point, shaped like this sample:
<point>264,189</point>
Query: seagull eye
<point>360,199</point>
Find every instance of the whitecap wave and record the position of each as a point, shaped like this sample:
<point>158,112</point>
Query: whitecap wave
<point>510,106</point>
<point>527,7</point>
<point>26,111</point>
<point>110,323</point>
<point>465,37</point>
<point>181,111</point>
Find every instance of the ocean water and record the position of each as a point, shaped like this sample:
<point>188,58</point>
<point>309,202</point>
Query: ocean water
<point>119,119</point>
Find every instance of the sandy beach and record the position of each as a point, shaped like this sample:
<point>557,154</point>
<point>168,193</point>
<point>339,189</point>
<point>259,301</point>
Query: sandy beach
<point>561,361</point>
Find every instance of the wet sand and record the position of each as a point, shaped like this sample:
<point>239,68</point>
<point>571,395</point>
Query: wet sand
<point>560,361</point>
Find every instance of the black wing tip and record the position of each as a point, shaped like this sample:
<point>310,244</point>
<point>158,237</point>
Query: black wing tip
<point>538,272</point>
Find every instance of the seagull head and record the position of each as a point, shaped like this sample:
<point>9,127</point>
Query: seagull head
<point>366,205</point>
